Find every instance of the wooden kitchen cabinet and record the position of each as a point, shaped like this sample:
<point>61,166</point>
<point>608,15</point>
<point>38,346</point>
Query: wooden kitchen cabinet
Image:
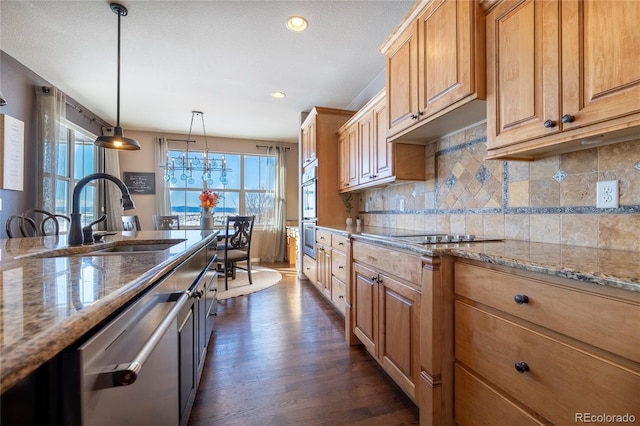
<point>542,349</point>
<point>348,157</point>
<point>323,262</point>
<point>309,142</point>
<point>435,65</point>
<point>367,152</point>
<point>386,311</point>
<point>309,268</point>
<point>319,133</point>
<point>560,72</point>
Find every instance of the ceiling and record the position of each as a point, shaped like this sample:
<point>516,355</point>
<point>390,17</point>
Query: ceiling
<point>223,58</point>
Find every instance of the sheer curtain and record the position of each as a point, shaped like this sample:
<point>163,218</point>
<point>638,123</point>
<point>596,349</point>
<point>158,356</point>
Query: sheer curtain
<point>51,107</point>
<point>273,237</point>
<point>163,204</point>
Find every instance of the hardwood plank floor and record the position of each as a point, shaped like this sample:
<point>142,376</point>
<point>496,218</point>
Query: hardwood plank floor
<point>279,357</point>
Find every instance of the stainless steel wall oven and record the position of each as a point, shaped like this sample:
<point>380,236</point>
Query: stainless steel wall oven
<point>309,211</point>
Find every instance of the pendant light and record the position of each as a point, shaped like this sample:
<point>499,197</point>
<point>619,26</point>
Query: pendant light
<point>117,140</point>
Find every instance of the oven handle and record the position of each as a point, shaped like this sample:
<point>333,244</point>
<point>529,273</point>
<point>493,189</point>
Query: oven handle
<point>126,373</point>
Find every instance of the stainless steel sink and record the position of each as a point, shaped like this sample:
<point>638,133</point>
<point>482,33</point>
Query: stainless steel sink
<point>117,248</point>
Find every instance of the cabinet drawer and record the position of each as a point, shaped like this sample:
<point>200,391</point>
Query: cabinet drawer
<point>339,265</point>
<point>338,293</point>
<point>397,263</point>
<point>561,380</point>
<point>339,242</point>
<point>323,237</point>
<point>602,321</point>
<point>476,403</point>
<point>309,269</point>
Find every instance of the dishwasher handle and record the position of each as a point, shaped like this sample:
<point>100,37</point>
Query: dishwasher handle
<point>126,373</point>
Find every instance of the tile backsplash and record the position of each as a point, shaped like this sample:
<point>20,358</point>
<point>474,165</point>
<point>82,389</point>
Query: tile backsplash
<point>548,200</point>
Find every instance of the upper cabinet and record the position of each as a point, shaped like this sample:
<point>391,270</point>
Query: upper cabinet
<point>561,76</point>
<point>435,70</point>
<point>367,159</point>
<point>309,142</point>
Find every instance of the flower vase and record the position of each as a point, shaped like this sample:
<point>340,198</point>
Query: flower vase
<point>206,218</point>
<point>349,221</point>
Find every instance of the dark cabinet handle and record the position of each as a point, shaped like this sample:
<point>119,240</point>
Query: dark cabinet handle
<point>374,279</point>
<point>340,244</point>
<point>414,117</point>
<point>521,298</point>
<point>340,297</point>
<point>521,367</point>
<point>549,124</point>
<point>420,113</point>
<point>340,267</point>
<point>568,118</point>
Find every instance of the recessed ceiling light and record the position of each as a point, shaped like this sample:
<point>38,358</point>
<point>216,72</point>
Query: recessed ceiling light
<point>278,95</point>
<point>297,23</point>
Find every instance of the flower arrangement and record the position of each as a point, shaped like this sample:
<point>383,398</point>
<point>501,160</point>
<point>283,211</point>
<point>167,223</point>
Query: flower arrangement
<point>208,199</point>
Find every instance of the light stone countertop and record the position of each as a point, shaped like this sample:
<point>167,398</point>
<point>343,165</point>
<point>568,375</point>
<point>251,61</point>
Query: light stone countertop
<point>611,268</point>
<point>49,303</point>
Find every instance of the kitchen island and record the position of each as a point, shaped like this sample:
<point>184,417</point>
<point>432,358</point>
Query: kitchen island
<point>53,295</point>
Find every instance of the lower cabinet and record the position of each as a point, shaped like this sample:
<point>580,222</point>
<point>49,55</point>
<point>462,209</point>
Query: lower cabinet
<point>188,353</point>
<point>329,272</point>
<point>542,350</point>
<point>387,315</point>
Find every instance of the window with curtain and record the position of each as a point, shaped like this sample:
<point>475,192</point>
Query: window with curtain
<point>246,186</point>
<point>75,158</point>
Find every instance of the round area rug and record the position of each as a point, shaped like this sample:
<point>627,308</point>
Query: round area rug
<point>262,278</point>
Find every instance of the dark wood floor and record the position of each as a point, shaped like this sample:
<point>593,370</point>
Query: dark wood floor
<point>278,357</point>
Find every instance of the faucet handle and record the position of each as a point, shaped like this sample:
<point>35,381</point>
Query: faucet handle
<point>87,231</point>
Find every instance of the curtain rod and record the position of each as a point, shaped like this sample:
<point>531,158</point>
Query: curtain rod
<point>286,148</point>
<point>181,140</point>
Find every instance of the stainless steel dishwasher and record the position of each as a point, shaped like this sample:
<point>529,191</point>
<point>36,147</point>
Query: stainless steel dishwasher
<point>126,373</point>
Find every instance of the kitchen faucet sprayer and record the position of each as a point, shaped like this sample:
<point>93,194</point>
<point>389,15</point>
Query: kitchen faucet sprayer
<point>75,228</point>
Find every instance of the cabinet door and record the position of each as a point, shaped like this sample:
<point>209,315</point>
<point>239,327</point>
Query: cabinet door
<point>365,306</point>
<point>402,80</point>
<point>600,60</point>
<point>381,149</point>
<point>338,293</point>
<point>343,152</point>
<point>522,71</point>
<point>352,155</point>
<point>309,268</point>
<point>399,313</point>
<point>323,261</point>
<point>366,143</point>
<point>309,143</point>
<point>445,57</point>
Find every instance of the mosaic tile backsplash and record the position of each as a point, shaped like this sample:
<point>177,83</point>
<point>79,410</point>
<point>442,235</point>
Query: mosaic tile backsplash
<point>550,200</point>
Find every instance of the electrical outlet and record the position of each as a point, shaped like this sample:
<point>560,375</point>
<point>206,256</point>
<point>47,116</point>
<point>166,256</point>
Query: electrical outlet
<point>607,194</point>
<point>0,204</point>
<point>366,207</point>
<point>401,205</point>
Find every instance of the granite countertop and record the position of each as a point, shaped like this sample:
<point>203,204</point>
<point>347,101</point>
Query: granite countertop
<point>48,303</point>
<point>611,268</point>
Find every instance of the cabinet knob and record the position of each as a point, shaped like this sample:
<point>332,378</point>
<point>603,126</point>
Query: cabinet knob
<point>374,279</point>
<point>568,118</point>
<point>420,113</point>
<point>549,124</point>
<point>521,299</point>
<point>414,117</point>
<point>340,297</point>
<point>521,367</point>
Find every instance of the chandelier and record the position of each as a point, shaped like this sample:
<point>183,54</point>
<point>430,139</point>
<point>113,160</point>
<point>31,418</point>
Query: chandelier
<point>188,167</point>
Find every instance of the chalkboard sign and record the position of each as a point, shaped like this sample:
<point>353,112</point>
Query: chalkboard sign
<point>140,183</point>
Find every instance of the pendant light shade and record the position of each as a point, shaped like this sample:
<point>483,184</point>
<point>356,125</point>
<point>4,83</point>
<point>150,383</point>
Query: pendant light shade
<point>117,140</point>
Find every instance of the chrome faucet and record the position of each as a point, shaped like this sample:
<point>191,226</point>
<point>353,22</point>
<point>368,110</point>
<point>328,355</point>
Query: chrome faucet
<point>75,229</point>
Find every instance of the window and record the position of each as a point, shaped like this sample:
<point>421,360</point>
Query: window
<point>75,158</point>
<point>245,183</point>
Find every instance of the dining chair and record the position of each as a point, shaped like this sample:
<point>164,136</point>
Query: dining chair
<point>164,223</point>
<point>130,223</point>
<point>34,223</point>
<point>237,248</point>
